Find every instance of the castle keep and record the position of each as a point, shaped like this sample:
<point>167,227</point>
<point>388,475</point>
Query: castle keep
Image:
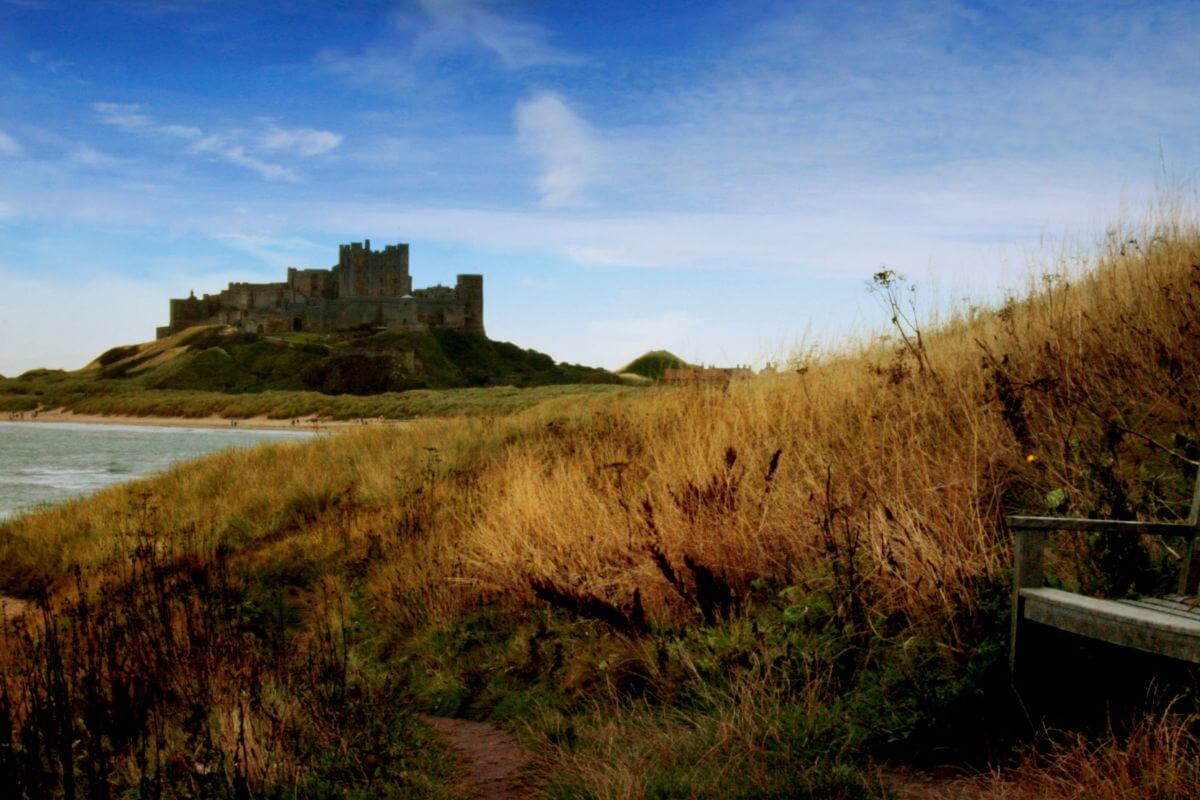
<point>367,287</point>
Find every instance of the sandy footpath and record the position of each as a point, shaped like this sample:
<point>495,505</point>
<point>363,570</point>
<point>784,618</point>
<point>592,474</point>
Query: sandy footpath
<point>252,423</point>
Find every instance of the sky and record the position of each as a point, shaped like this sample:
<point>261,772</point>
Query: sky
<point>715,178</point>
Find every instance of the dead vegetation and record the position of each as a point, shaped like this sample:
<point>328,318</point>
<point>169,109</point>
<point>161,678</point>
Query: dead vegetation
<point>778,579</point>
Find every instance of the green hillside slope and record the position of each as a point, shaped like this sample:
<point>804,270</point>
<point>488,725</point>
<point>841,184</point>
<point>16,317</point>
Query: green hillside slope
<point>651,365</point>
<point>214,358</point>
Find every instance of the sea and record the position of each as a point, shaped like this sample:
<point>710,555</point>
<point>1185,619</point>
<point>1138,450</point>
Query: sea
<point>42,463</point>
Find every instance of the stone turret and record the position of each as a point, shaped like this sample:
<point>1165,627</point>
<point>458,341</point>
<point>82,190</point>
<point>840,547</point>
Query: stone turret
<point>469,290</point>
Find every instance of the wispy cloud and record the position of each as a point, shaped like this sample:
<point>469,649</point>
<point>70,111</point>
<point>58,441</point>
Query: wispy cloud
<point>806,142</point>
<point>302,141</point>
<point>236,154</point>
<point>47,61</point>
<point>437,30</point>
<point>9,147</point>
<point>455,25</point>
<point>89,156</point>
<point>232,147</point>
<point>277,251</point>
<point>126,116</point>
<point>551,131</point>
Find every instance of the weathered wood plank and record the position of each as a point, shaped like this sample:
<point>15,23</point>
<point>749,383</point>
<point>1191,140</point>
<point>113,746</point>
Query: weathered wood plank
<point>1028,551</point>
<point>1101,526</point>
<point>1167,608</point>
<point>1189,574</point>
<point>1182,606</point>
<point>1111,621</point>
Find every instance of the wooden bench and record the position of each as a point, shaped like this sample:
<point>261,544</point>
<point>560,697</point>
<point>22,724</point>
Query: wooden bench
<point>1168,626</point>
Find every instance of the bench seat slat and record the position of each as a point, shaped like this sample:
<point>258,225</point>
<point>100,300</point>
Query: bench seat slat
<point>1149,603</point>
<point>1126,624</point>
<point>1102,526</point>
<point>1169,603</point>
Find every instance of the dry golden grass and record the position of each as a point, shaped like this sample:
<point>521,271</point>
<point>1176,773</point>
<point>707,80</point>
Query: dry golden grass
<point>1159,758</point>
<point>901,462</point>
<point>874,480</point>
<point>910,457</point>
<point>907,457</point>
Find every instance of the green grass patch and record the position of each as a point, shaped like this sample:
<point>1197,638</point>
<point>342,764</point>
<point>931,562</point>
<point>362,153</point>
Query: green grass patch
<point>653,364</point>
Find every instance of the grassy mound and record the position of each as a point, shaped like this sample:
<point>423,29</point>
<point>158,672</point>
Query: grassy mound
<point>362,362</point>
<point>218,370</point>
<point>761,590</point>
<point>651,365</point>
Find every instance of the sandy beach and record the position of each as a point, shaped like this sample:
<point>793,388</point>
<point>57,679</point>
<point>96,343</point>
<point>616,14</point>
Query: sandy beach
<point>251,423</point>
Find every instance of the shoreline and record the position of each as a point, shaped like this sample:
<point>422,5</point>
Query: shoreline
<point>214,421</point>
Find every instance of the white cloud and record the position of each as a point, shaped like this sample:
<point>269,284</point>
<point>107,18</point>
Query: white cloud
<point>221,146</point>
<point>279,252</point>
<point>123,115</point>
<point>181,131</point>
<point>549,129</point>
<point>236,154</point>
<point>457,24</point>
<point>379,67</point>
<point>272,172</point>
<point>9,147</point>
<point>89,156</point>
<point>443,29</point>
<point>302,141</point>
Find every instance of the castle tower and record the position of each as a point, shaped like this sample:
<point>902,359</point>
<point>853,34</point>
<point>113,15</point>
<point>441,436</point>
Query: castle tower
<point>469,289</point>
<point>363,272</point>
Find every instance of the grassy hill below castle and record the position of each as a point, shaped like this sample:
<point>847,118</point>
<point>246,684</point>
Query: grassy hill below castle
<point>215,358</point>
<point>219,370</point>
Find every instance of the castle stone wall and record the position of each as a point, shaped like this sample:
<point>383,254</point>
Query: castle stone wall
<point>366,287</point>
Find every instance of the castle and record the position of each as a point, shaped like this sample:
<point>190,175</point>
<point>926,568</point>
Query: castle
<point>366,288</point>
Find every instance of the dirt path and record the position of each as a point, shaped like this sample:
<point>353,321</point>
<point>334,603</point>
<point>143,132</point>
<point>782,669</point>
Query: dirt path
<point>491,755</point>
<point>935,784</point>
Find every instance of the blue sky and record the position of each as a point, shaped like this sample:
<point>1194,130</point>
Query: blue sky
<point>716,178</point>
